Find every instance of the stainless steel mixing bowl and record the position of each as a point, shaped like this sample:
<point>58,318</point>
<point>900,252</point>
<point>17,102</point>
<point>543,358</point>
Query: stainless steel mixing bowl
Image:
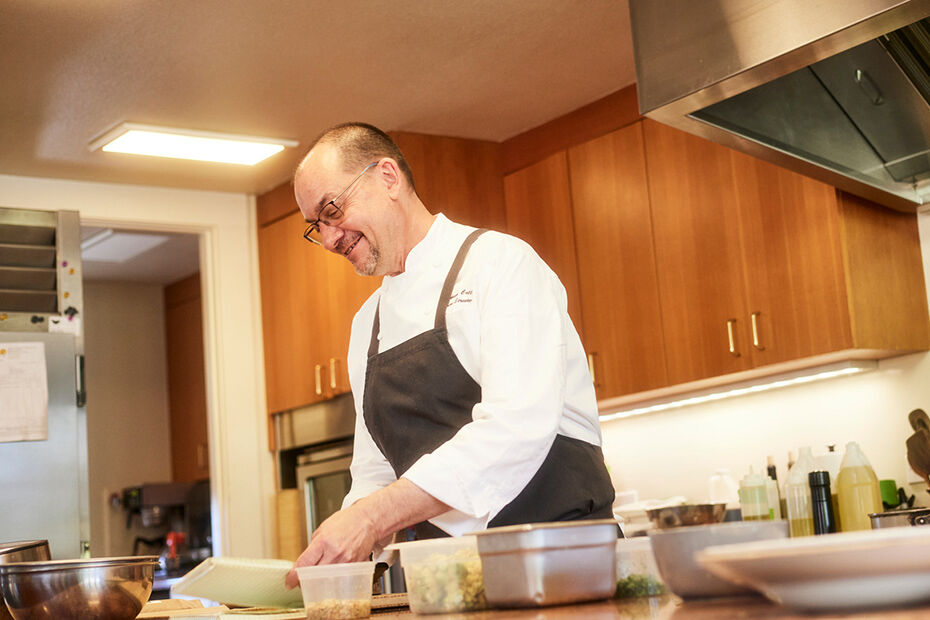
<point>21,551</point>
<point>91,589</point>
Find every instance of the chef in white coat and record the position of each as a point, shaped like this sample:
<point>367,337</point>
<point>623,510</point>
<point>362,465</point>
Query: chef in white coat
<point>474,403</point>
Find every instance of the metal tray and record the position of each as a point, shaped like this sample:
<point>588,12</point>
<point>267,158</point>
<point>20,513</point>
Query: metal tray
<point>549,563</point>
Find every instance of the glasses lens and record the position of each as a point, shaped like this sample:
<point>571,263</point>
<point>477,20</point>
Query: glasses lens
<point>312,234</point>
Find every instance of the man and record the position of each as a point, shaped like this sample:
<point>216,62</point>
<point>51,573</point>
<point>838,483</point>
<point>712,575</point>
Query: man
<point>474,403</point>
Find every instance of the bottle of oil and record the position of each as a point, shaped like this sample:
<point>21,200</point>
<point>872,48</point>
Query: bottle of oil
<point>753,497</point>
<point>798,495</point>
<point>858,492</point>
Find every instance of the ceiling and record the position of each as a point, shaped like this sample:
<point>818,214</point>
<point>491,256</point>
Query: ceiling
<point>484,69</point>
<point>141,257</point>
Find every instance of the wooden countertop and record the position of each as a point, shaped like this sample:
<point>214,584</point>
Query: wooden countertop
<point>671,608</point>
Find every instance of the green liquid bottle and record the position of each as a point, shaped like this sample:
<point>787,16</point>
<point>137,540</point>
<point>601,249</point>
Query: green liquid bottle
<point>858,492</point>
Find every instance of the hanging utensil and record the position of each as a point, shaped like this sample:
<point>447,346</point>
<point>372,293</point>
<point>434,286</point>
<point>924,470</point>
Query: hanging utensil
<point>918,444</point>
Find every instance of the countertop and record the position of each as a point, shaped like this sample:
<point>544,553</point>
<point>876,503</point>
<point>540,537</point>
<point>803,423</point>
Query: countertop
<point>671,607</point>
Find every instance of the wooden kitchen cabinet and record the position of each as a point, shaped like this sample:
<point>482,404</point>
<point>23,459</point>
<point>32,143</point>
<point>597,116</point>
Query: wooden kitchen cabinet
<point>458,177</point>
<point>698,254</point>
<point>538,204</point>
<point>187,402</point>
<point>308,300</point>
<point>616,263</point>
<point>759,265</point>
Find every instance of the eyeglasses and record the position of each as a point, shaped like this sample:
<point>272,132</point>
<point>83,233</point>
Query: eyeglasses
<point>330,213</point>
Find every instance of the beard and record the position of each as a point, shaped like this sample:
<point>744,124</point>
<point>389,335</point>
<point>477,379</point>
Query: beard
<point>368,266</point>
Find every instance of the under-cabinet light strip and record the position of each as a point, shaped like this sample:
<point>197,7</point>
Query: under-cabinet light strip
<point>770,383</point>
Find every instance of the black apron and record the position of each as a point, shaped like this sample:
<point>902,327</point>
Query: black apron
<point>418,395</point>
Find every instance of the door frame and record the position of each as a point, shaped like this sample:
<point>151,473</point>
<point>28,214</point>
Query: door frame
<point>241,467</point>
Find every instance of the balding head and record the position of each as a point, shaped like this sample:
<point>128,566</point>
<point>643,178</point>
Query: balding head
<point>357,145</point>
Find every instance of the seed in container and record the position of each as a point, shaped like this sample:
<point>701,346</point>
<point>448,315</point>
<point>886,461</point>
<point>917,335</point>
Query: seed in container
<point>338,609</point>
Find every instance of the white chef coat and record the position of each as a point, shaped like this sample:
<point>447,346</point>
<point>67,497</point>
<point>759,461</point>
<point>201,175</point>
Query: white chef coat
<point>508,325</point>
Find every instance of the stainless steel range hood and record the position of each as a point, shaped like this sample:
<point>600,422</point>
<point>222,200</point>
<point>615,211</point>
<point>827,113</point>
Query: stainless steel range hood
<point>838,90</point>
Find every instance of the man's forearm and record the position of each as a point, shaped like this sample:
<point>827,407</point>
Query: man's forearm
<point>397,506</point>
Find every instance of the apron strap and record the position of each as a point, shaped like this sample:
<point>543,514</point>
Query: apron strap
<point>453,276</point>
<point>443,296</point>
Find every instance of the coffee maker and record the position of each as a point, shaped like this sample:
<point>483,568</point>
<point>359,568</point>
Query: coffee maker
<point>181,510</point>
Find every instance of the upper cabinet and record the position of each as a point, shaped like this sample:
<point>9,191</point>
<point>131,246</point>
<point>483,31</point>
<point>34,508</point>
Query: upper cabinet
<point>616,263</point>
<point>683,261</point>
<point>457,177</point>
<point>759,265</point>
<point>697,253</point>
<point>539,211</point>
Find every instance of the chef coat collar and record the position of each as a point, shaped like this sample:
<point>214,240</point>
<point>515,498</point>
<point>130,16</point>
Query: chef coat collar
<point>419,256</point>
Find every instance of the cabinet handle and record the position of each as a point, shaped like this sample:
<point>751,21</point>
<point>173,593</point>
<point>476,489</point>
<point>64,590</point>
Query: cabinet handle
<point>318,376</point>
<point>732,337</point>
<point>591,368</point>
<point>756,342</point>
<point>332,372</point>
<point>201,456</point>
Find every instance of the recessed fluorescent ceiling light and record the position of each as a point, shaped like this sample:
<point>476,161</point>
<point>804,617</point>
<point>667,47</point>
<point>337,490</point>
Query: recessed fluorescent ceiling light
<point>109,246</point>
<point>840,369</point>
<point>188,144</point>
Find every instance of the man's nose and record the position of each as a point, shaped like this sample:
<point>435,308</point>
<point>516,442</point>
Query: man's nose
<point>330,236</point>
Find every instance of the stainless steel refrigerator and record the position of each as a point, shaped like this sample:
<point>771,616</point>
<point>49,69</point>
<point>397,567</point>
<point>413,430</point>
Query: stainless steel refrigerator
<point>44,481</point>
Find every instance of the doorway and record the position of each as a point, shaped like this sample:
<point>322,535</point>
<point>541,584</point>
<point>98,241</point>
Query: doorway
<point>146,408</point>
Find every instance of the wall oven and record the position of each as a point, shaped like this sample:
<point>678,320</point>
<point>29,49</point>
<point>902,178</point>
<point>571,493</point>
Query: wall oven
<point>314,454</point>
<point>323,480</point>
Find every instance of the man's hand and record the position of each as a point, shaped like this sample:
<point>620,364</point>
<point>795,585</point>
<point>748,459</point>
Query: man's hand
<point>350,534</point>
<point>347,536</point>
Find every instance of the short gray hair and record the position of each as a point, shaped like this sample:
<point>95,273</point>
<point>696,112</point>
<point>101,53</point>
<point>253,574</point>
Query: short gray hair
<point>360,144</point>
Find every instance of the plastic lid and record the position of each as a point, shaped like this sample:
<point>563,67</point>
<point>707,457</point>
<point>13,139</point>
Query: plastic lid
<point>752,479</point>
<point>335,570</point>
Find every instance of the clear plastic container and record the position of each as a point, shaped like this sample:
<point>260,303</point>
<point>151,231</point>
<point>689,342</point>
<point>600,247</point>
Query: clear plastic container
<point>637,573</point>
<point>337,591</point>
<point>798,495</point>
<point>443,575</point>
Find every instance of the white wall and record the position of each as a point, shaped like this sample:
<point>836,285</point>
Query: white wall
<point>675,452</point>
<point>242,484</point>
<point>127,404</point>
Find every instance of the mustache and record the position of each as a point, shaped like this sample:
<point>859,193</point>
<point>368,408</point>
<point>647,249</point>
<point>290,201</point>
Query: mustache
<point>346,242</point>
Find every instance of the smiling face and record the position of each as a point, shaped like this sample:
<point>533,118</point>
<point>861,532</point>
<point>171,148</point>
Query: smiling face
<point>369,232</point>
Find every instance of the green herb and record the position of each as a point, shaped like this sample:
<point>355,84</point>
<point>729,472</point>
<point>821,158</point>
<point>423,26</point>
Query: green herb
<point>639,585</point>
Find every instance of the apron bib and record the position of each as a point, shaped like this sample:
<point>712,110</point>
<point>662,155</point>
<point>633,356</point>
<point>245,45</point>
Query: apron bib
<point>418,396</point>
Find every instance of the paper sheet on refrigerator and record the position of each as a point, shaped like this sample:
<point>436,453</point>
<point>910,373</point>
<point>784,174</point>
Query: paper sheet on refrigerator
<point>23,392</point>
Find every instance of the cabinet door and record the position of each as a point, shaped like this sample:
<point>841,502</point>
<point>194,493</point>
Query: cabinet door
<point>295,314</point>
<point>186,385</point>
<point>346,292</point>
<point>539,210</point>
<point>795,286</point>
<point>698,259</point>
<point>616,263</point>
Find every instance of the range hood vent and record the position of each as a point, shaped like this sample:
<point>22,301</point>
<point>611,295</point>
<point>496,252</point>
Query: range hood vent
<point>40,271</point>
<point>836,91</point>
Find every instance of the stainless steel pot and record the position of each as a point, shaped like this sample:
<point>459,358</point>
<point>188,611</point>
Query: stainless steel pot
<point>22,551</point>
<point>900,518</point>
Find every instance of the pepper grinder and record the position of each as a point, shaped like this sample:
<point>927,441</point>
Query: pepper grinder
<point>821,502</point>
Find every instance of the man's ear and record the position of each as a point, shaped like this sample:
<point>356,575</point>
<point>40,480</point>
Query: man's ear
<point>390,175</point>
